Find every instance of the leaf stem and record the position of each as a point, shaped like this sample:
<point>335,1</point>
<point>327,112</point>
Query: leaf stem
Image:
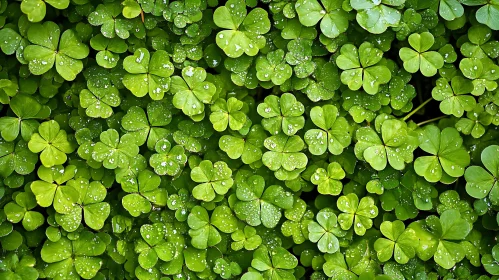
<point>430,120</point>
<point>417,109</point>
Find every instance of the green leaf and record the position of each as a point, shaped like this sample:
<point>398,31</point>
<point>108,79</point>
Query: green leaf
<point>243,31</point>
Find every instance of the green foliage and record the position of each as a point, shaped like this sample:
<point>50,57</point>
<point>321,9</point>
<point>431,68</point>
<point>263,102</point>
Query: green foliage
<point>249,139</point>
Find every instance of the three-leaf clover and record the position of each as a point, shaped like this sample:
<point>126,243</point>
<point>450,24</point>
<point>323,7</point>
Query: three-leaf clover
<point>21,209</point>
<point>438,235</point>
<point>248,148</point>
<point>114,151</point>
<point>244,30</point>
<point>203,230</point>
<point>334,20</point>
<point>214,178</point>
<point>377,16</point>
<point>284,152</point>
<point>282,114</point>
<point>107,16</point>
<point>273,67</point>
<point>396,145</point>
<point>453,97</point>
<point>259,205</point>
<point>483,73</point>
<point>419,57</point>
<point>333,132</point>
<point>227,113</point>
<point>148,126</point>
<point>52,142</point>
<point>192,91</point>
<point>358,214</point>
<point>323,232</point>
<point>328,181</point>
<point>297,221</point>
<point>144,193</point>
<point>27,110</point>
<point>399,242</point>
<point>16,157</point>
<point>109,50</point>
<point>168,160</point>
<point>51,191</point>
<point>482,182</point>
<point>89,206</point>
<point>246,238</point>
<point>73,257</point>
<point>99,101</point>
<point>448,156</point>
<point>480,45</point>
<point>153,245</point>
<point>49,47</point>
<point>274,263</point>
<point>148,74</point>
<point>362,68</point>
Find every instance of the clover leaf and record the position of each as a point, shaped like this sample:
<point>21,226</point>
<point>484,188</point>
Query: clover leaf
<point>489,261</point>
<point>227,113</point>
<point>399,242</point>
<point>99,101</point>
<point>377,16</point>
<point>485,14</point>
<point>358,214</point>
<point>27,110</point>
<point>21,210</point>
<point>273,67</point>
<point>89,206</point>
<point>149,126</point>
<point>36,9</point>
<point>248,148</point>
<point>482,182</point>
<point>274,263</point>
<point>52,142</point>
<point>13,267</point>
<point>148,74</point>
<point>168,160</point>
<point>333,134</point>
<point>361,67</point>
<point>214,178</point>
<point>438,235</point>
<point>246,238</point>
<point>323,231</point>
<point>203,230</point>
<point>450,9</point>
<point>244,30</point>
<point>328,181</point>
<point>49,47</point>
<point>483,73</point>
<point>192,91</point>
<point>282,114</point>
<point>334,20</point>
<point>396,145</point>
<point>297,221</point>
<point>109,50</point>
<point>284,153</point>
<point>480,45</point>
<point>73,257</point>
<point>50,190</point>
<point>448,156</point>
<point>114,151</point>
<point>453,97</point>
<point>143,194</point>
<point>420,57</point>
<point>154,246</point>
<point>16,157</point>
<point>475,122</point>
<point>107,16</point>
<point>259,205</point>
